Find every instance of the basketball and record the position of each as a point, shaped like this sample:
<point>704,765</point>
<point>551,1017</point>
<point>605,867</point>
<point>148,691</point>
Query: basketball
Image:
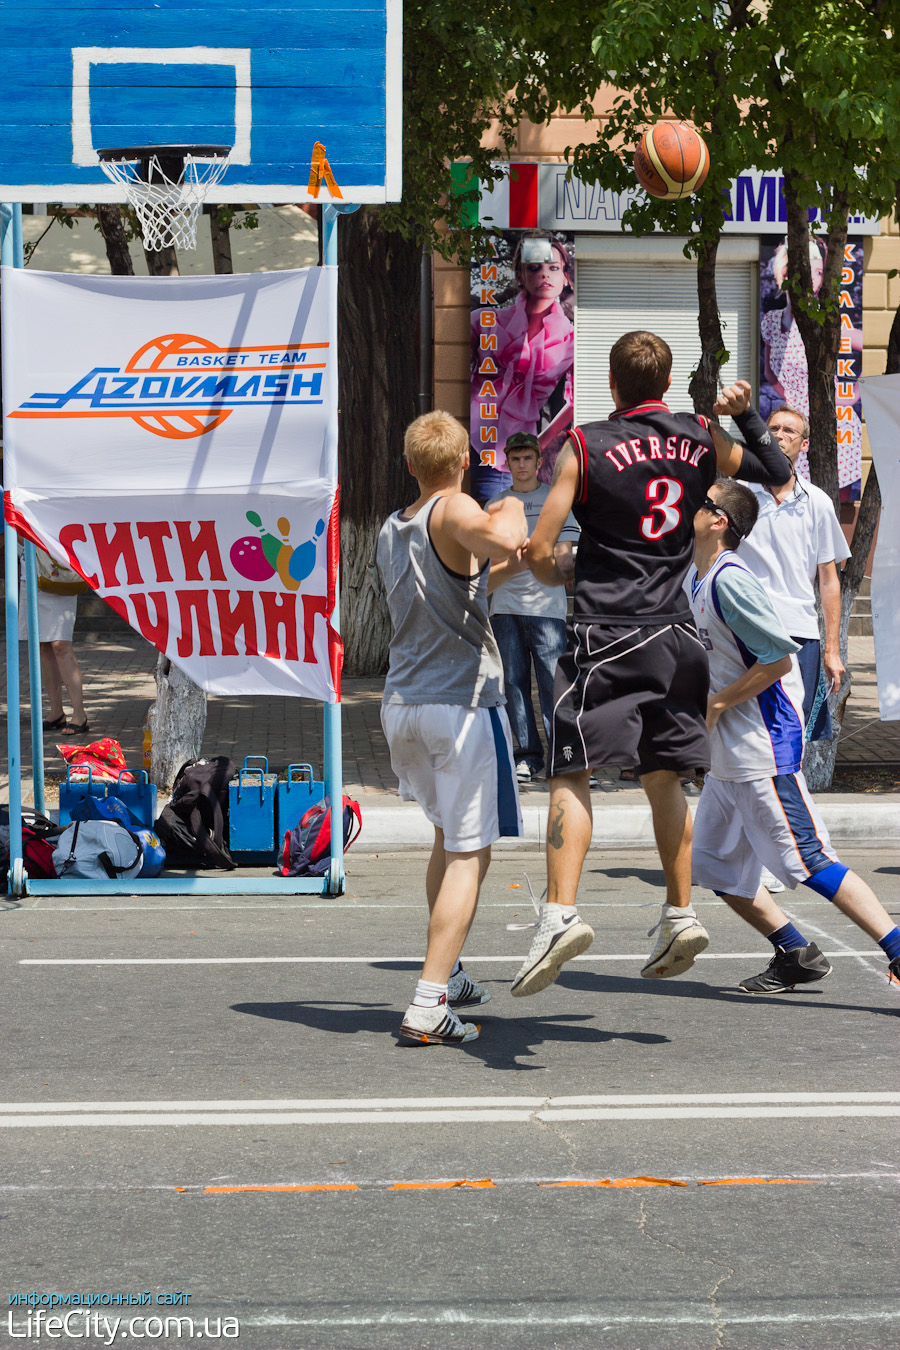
<point>671,161</point>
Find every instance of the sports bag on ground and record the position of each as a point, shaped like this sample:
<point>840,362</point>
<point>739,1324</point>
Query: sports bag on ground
<point>39,837</point>
<point>98,848</point>
<point>307,847</point>
<point>192,827</point>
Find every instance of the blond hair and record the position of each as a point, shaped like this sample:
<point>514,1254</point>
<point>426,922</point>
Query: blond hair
<point>435,446</point>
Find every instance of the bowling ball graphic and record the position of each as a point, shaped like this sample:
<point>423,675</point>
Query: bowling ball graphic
<point>249,560</point>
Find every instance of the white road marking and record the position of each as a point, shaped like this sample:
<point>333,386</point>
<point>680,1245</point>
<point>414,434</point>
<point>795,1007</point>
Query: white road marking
<point>465,1110</point>
<point>363,960</point>
<point>453,1316</point>
<point>212,903</point>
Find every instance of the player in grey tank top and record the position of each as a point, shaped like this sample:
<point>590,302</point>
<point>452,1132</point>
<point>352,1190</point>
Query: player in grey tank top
<point>443,650</point>
<point>442,712</point>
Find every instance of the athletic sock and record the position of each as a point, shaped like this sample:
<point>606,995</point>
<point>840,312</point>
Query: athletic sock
<point>787,937</point>
<point>678,911</point>
<point>890,944</point>
<point>428,994</point>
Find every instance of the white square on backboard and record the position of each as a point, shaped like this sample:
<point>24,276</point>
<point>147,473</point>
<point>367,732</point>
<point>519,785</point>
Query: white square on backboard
<point>83,150</point>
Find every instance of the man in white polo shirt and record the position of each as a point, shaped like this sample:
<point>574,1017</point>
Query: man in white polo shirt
<point>529,618</point>
<point>797,538</point>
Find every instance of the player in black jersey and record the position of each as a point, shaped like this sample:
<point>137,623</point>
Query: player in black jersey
<point>631,688</point>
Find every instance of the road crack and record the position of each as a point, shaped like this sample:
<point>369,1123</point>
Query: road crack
<point>719,1324</point>
<point>556,1130</point>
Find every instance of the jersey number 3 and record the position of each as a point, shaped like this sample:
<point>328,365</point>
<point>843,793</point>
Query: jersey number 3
<point>663,495</point>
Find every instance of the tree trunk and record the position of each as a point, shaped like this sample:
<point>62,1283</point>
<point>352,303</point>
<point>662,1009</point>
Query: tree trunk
<point>821,333</point>
<point>109,219</point>
<point>162,262</point>
<point>220,234</point>
<point>378,291</point>
<point>704,384</point>
<point>177,722</point>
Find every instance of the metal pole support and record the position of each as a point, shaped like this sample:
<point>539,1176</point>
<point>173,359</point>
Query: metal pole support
<point>331,737</point>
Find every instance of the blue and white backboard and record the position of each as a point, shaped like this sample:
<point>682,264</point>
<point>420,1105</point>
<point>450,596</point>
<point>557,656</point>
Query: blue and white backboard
<point>271,80</point>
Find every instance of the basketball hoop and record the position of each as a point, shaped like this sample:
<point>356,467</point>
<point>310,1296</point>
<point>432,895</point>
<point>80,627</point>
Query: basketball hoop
<point>167,186</point>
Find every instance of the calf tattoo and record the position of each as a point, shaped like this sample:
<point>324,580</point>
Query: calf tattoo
<point>555,832</point>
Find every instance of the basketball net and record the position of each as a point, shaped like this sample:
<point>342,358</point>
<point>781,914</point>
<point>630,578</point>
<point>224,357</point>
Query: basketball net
<point>168,208</point>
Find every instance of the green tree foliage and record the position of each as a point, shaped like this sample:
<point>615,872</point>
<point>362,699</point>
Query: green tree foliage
<point>809,89</point>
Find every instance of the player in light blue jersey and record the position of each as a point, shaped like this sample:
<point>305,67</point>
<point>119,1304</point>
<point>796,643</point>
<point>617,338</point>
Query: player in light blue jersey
<point>755,809</point>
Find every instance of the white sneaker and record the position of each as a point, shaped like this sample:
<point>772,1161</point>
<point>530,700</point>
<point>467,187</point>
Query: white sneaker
<point>463,992</point>
<point>561,935</point>
<point>523,773</point>
<point>436,1026</point>
<point>771,882</point>
<point>678,941</point>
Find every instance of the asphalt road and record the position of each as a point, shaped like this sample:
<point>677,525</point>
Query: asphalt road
<point>616,1164</point>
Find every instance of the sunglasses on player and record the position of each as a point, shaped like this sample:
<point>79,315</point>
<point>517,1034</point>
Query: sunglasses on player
<point>717,510</point>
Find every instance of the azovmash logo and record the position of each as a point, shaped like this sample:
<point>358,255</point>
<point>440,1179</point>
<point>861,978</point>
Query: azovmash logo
<point>180,386</point>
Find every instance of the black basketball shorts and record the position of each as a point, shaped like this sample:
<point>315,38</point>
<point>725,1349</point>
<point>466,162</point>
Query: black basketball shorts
<point>630,695</point>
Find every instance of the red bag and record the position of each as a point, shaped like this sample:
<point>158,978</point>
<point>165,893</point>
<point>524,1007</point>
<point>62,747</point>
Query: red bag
<point>39,837</point>
<point>104,758</point>
<point>307,847</point>
<point>37,855</point>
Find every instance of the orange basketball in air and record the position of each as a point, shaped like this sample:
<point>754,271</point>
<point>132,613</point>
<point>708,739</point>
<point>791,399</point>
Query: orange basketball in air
<point>671,161</point>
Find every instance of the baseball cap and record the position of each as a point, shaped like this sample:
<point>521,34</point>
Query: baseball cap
<point>523,440</point>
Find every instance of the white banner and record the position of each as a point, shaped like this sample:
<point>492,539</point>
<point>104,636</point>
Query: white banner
<point>175,441</point>
<point>881,404</point>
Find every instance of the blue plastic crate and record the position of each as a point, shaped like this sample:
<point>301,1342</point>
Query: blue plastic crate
<point>139,797</point>
<point>251,814</point>
<point>71,793</point>
<point>294,797</point>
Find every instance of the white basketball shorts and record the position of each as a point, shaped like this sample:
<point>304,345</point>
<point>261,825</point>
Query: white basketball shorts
<point>457,763</point>
<point>740,828</point>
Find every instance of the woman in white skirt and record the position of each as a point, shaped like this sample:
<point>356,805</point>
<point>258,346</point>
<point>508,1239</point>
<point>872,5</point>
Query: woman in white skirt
<point>58,590</point>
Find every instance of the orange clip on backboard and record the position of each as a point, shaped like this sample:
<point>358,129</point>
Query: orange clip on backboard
<point>320,171</point>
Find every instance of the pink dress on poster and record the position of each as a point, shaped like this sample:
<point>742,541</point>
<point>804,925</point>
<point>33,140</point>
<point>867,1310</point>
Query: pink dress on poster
<point>528,371</point>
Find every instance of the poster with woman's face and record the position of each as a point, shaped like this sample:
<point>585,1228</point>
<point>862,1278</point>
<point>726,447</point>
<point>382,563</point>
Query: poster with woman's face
<point>523,350</point>
<point>784,376</point>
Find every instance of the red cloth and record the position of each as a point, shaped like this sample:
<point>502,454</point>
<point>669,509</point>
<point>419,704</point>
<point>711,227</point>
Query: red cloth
<point>104,759</point>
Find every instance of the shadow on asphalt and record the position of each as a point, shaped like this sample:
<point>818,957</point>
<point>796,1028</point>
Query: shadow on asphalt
<point>646,875</point>
<point>586,982</point>
<point>507,1038</point>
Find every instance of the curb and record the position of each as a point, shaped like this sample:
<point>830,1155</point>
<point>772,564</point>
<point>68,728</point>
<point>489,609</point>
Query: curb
<point>405,826</point>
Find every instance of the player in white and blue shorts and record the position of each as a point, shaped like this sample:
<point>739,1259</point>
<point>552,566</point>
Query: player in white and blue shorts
<point>755,809</point>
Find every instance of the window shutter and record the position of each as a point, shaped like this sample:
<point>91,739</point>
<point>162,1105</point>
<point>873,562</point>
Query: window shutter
<point>616,296</point>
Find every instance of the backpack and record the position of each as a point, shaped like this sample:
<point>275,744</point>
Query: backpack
<point>307,847</point>
<point>192,827</point>
<point>38,838</point>
<point>98,848</point>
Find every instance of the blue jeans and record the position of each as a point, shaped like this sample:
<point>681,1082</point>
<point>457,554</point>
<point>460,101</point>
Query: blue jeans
<point>524,641</point>
<point>809,659</point>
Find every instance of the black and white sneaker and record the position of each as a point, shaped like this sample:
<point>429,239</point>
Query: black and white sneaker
<point>561,935</point>
<point>802,965</point>
<point>463,992</point>
<point>436,1026</point>
<point>894,971</point>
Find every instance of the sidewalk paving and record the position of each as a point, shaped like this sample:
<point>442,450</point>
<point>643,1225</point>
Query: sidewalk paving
<point>120,685</point>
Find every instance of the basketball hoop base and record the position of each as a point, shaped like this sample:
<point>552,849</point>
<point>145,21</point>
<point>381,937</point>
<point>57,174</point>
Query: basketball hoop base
<point>167,186</point>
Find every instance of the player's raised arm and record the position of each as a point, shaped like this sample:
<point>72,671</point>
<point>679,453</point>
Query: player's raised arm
<point>554,514</point>
<point>761,460</point>
<point>493,533</point>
